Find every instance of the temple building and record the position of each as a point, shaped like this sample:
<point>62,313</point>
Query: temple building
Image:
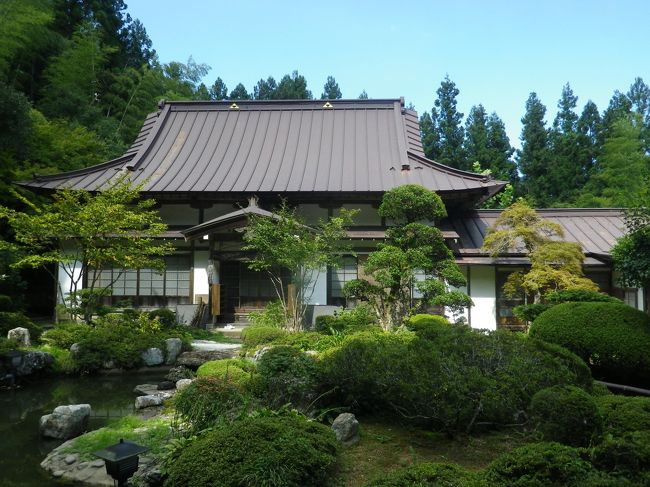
<point>210,164</point>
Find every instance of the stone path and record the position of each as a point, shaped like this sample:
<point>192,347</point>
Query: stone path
<point>206,345</point>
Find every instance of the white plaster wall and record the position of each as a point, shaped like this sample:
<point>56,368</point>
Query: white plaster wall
<point>65,280</point>
<point>463,289</point>
<point>179,215</point>
<point>482,290</point>
<point>319,297</point>
<point>200,265</point>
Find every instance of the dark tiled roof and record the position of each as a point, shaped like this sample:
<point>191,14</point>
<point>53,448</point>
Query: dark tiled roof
<point>277,147</point>
<point>595,229</point>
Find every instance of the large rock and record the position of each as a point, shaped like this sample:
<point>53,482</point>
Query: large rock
<point>65,421</point>
<point>183,383</point>
<point>177,373</point>
<point>142,402</point>
<point>33,362</point>
<point>346,428</point>
<point>152,357</point>
<point>174,347</point>
<point>20,335</point>
<point>196,358</point>
<point>146,389</point>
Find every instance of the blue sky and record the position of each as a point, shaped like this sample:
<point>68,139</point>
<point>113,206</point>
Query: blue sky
<point>496,51</point>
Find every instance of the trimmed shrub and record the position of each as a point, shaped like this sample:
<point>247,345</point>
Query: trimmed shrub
<point>287,451</point>
<point>427,475</point>
<point>211,401</point>
<point>624,414</point>
<point>579,296</point>
<point>428,326</point>
<point>627,455</point>
<point>462,378</point>
<point>612,338</point>
<point>10,320</point>
<point>570,360</point>
<point>286,376</point>
<point>166,317</point>
<point>307,340</point>
<point>566,414</point>
<point>273,316</point>
<point>63,335</point>
<point>260,335</point>
<point>234,370</point>
<point>541,465</point>
<point>347,320</point>
<point>528,312</point>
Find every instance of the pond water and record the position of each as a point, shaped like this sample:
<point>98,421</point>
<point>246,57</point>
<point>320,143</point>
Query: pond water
<point>21,447</point>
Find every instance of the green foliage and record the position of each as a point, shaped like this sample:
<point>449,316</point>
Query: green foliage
<point>274,315</point>
<point>287,451</point>
<point>528,312</point>
<point>81,232</point>
<point>624,414</point>
<point>309,340</point>
<point>611,337</point>
<point>285,244</point>
<point>165,316</point>
<point>331,90</point>
<point>451,382</point>
<point>427,475</point>
<point>578,295</point>
<point>260,335</point>
<point>428,327</point>
<point>6,303</point>
<point>238,371</point>
<point>209,402</point>
<point>411,249</point>
<point>346,320</point>
<point>632,252</point>
<point>566,414</point>
<point>541,465</point>
<point>63,335</point>
<point>627,455</point>
<point>7,345</point>
<point>533,157</point>
<point>9,320</point>
<point>287,376</point>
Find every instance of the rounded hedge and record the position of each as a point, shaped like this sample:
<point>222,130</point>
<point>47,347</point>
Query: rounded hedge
<point>624,414</point>
<point>235,370</point>
<point>255,336</point>
<point>428,326</point>
<point>63,335</point>
<point>541,465</point>
<point>566,414</point>
<point>210,401</point>
<point>627,455</point>
<point>427,475</point>
<point>612,338</point>
<point>287,451</point>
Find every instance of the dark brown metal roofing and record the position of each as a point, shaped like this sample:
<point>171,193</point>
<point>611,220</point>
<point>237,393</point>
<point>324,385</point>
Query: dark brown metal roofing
<point>277,147</point>
<point>595,229</point>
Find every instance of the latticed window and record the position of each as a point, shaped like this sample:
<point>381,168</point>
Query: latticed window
<point>348,271</point>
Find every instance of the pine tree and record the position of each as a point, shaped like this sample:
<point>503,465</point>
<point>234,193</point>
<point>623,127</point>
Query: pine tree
<point>218,90</point>
<point>639,96</point>
<point>293,87</point>
<point>500,151</point>
<point>239,93</point>
<point>589,128</point>
<point>363,95</point>
<point>450,127</point>
<point>331,90</point>
<point>476,137</point>
<point>532,158</point>
<point>429,134</point>
<point>265,89</point>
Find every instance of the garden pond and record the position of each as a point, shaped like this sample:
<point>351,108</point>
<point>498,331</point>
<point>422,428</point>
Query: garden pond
<point>21,447</point>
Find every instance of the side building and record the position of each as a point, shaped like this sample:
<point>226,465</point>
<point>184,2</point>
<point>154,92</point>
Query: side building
<point>210,164</point>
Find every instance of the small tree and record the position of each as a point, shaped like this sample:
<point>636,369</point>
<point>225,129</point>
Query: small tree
<point>284,244</point>
<point>555,264</point>
<point>79,232</point>
<point>413,258</point>
<point>632,251</point>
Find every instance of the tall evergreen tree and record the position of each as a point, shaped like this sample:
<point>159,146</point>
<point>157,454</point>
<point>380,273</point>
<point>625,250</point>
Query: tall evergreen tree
<point>620,106</point>
<point>265,89</point>
<point>363,95</point>
<point>429,134</point>
<point>532,158</point>
<point>331,90</point>
<point>589,128</point>
<point>476,137</point>
<point>239,93</point>
<point>293,87</point>
<point>218,90</point>
<point>639,96</point>
<point>500,151</point>
<point>450,127</point>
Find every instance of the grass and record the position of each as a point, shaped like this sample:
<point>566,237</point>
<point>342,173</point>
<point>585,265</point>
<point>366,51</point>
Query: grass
<point>153,433</point>
<point>387,447</point>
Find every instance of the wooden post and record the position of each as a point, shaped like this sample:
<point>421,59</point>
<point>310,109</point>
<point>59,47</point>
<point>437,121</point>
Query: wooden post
<point>215,294</point>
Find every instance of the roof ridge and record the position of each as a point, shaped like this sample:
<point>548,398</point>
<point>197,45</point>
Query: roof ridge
<point>79,172</point>
<point>453,170</point>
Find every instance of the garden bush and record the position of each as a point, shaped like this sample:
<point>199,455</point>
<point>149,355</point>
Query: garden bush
<point>627,455</point>
<point>6,303</point>
<point>347,320</point>
<point>566,414</point>
<point>211,401</point>
<point>541,465</point>
<point>287,375</point>
<point>624,414</point>
<point>308,340</point>
<point>273,316</point>
<point>255,336</point>
<point>14,319</point>
<point>579,296</point>
<point>428,326</point>
<point>285,450</point>
<point>234,370</point>
<point>462,379</point>
<point>166,317</point>
<point>612,338</point>
<point>427,475</point>
<point>528,312</point>
<point>570,360</point>
<point>63,335</point>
